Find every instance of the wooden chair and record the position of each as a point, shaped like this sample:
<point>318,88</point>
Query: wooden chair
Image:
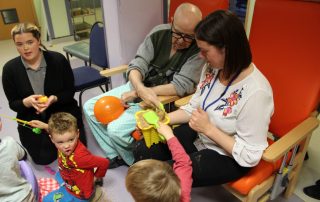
<point>285,43</point>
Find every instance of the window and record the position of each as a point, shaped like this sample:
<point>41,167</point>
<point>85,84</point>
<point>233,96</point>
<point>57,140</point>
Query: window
<point>9,16</point>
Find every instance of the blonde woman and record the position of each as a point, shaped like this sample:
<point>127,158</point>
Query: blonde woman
<point>35,73</point>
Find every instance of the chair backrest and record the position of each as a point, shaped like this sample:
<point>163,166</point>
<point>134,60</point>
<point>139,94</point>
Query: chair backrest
<point>206,6</point>
<point>285,43</point>
<point>97,49</point>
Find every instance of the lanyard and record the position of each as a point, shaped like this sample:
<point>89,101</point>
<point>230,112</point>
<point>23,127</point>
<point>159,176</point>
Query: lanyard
<point>222,94</point>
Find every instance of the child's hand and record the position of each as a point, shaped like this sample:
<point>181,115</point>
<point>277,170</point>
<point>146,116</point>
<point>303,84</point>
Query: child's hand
<point>38,124</point>
<point>165,130</point>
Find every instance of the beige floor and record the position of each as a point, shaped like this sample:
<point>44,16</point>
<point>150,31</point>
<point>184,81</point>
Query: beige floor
<point>311,169</point>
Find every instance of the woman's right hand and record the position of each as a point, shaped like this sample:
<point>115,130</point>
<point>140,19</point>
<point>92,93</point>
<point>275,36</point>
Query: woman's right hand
<point>165,130</point>
<point>32,101</point>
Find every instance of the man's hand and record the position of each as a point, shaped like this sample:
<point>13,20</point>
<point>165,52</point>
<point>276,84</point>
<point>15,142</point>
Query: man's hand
<point>128,96</point>
<point>148,96</point>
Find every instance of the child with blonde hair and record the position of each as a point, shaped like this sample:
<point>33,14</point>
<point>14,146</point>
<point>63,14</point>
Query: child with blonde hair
<point>78,168</point>
<point>156,181</point>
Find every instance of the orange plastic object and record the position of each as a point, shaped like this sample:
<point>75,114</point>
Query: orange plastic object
<point>150,134</point>
<point>136,135</point>
<point>107,109</point>
<point>43,99</point>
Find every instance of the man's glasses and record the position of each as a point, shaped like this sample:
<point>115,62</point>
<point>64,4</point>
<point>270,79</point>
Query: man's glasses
<point>185,37</point>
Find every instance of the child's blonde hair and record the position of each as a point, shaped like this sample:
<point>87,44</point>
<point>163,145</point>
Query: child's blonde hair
<point>153,180</point>
<point>27,28</point>
<point>62,122</point>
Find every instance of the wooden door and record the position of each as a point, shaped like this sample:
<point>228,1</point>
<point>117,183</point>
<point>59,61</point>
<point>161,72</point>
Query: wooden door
<point>25,12</point>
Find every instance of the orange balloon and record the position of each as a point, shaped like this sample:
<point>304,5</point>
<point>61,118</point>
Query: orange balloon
<point>107,109</point>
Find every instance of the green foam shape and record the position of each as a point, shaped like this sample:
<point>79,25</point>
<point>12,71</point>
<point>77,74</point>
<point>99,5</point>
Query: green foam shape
<point>152,118</point>
<point>161,107</point>
<point>36,130</point>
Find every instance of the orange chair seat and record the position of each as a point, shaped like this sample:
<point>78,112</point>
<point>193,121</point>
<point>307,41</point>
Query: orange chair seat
<point>256,175</point>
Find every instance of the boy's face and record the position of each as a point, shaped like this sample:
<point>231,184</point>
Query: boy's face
<point>66,142</point>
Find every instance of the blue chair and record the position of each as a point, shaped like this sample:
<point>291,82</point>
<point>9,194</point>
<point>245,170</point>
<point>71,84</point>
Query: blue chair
<point>79,50</point>
<point>87,77</point>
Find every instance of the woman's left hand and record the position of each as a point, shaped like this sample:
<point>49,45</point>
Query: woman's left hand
<point>199,121</point>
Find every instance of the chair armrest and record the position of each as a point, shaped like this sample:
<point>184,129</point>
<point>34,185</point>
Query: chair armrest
<point>114,70</point>
<point>289,140</point>
<point>183,101</point>
<point>314,114</point>
<point>164,99</point>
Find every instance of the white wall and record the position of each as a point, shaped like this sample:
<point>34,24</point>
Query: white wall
<point>127,22</point>
<point>59,18</point>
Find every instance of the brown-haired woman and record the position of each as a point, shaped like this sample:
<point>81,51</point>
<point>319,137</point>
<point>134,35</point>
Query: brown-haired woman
<point>225,124</point>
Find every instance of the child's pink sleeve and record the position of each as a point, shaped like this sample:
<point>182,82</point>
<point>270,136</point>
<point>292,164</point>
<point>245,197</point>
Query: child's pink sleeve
<point>182,167</point>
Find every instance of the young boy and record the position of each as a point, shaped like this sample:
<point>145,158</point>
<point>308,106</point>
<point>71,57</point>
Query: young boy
<point>153,180</point>
<point>77,166</point>
<point>13,187</point>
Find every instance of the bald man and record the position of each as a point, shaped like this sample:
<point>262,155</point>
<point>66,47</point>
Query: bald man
<point>166,63</point>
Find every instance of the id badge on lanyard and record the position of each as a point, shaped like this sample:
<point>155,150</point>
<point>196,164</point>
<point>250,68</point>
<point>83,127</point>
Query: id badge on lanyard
<point>199,144</point>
